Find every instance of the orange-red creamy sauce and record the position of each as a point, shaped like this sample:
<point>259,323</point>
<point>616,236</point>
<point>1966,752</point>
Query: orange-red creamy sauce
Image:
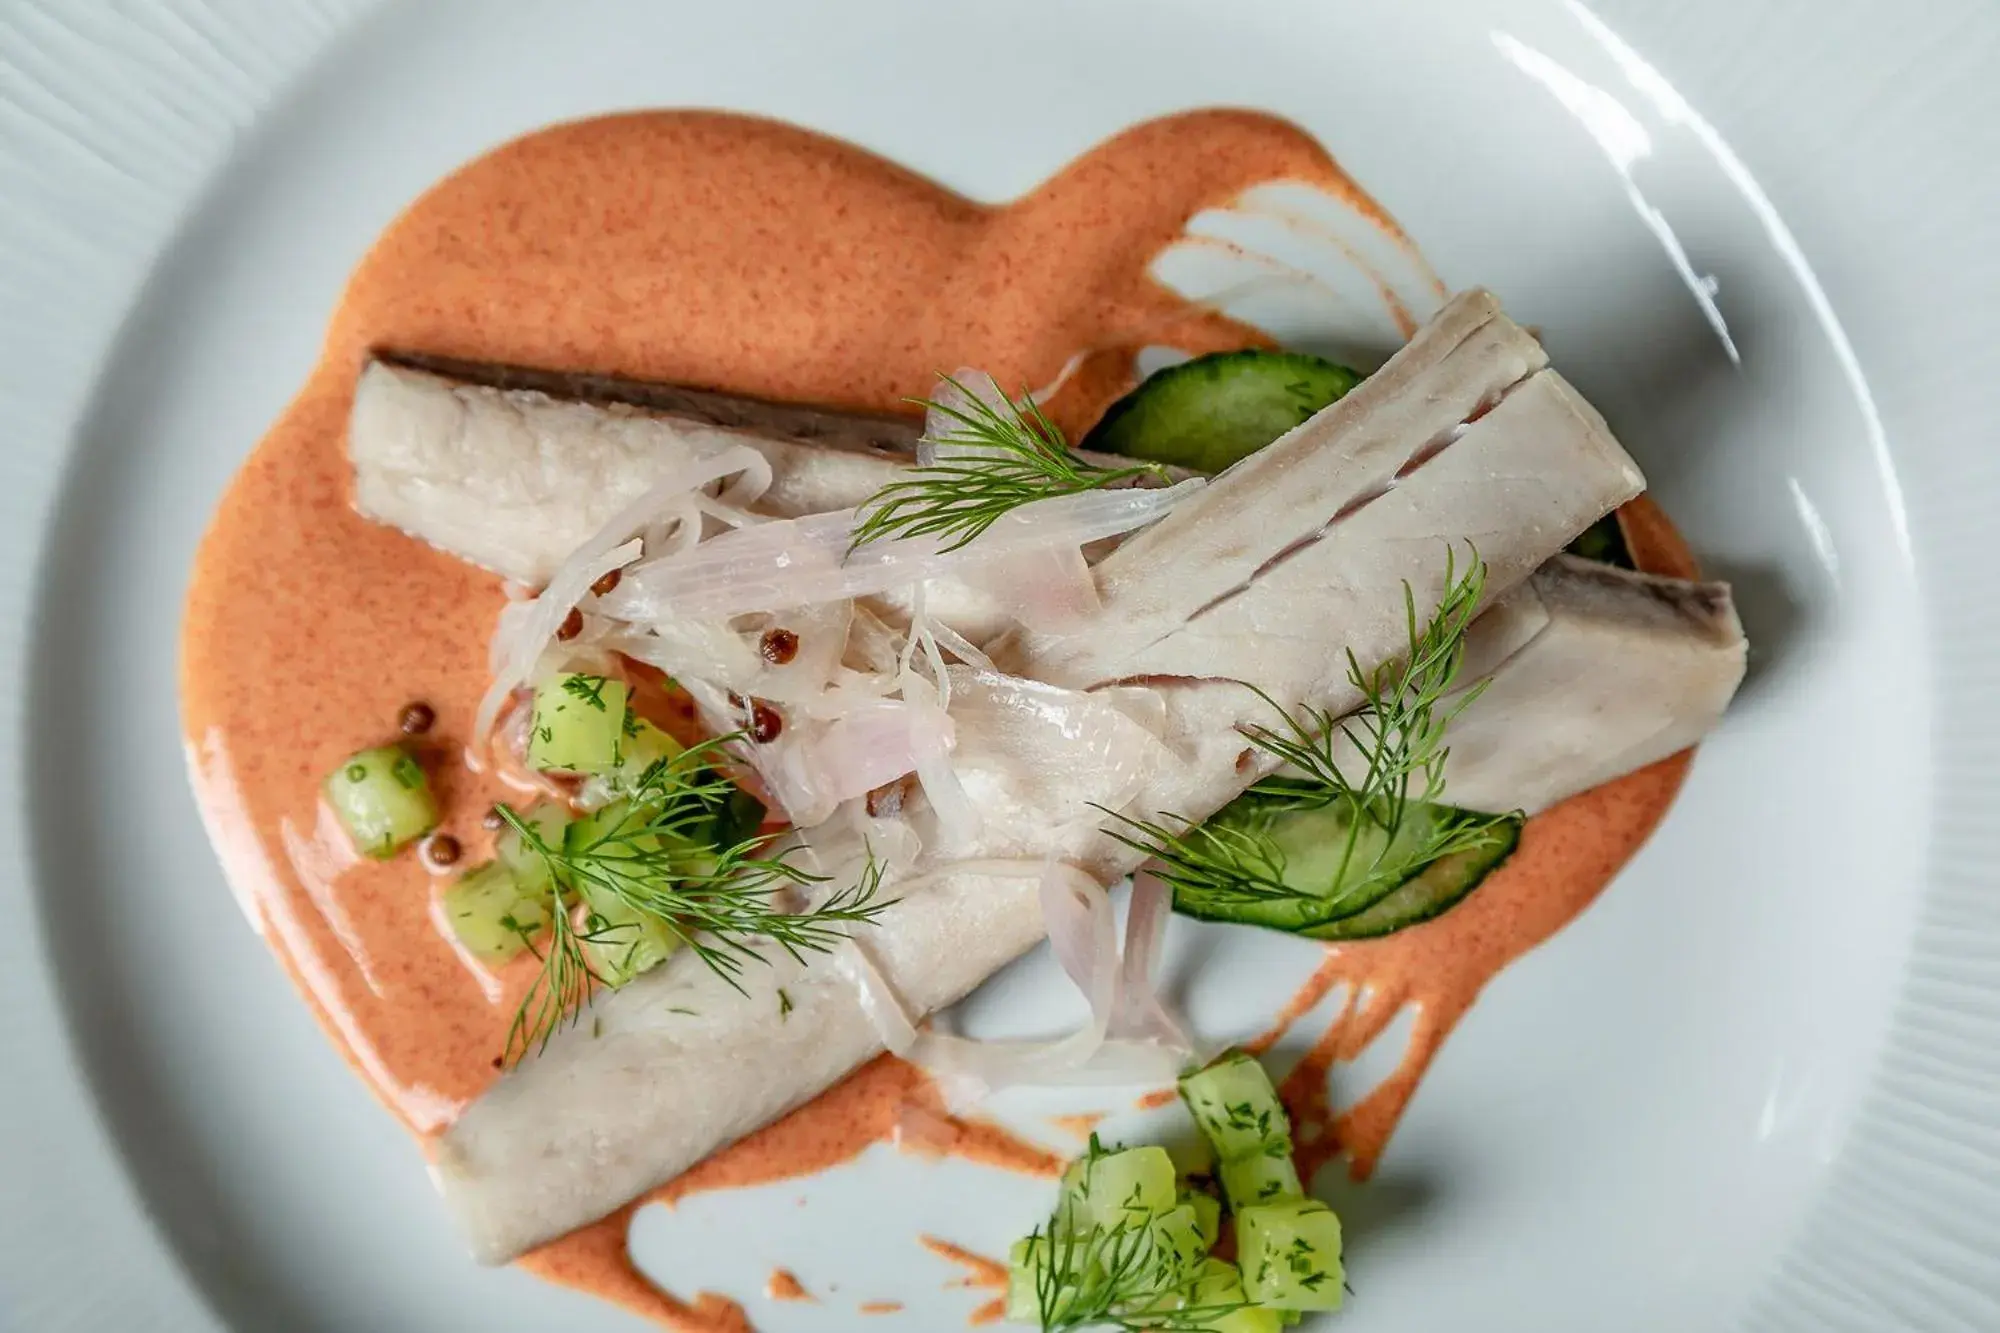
<point>723,251</point>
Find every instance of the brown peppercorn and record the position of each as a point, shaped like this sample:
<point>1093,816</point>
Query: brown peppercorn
<point>441,850</point>
<point>572,625</point>
<point>765,723</point>
<point>416,718</point>
<point>493,820</point>
<point>778,646</point>
<point>607,582</point>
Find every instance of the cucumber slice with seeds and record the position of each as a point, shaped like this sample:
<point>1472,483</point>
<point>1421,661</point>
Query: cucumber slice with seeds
<point>578,724</point>
<point>382,799</point>
<point>1214,411</point>
<point>1382,886</point>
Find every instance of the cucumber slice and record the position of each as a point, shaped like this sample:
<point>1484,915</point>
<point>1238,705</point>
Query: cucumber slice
<point>1216,410</point>
<point>1384,886</point>
<point>1235,1105</point>
<point>1126,1187</point>
<point>528,866</point>
<point>1604,542</point>
<point>578,724</point>
<point>1289,1255</point>
<point>1264,1175</point>
<point>382,799</point>
<point>491,914</point>
<point>1432,892</point>
<point>735,819</point>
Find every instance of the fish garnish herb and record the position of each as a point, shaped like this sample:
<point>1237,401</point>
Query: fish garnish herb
<point>1021,457</point>
<point>717,902</point>
<point>1398,733</point>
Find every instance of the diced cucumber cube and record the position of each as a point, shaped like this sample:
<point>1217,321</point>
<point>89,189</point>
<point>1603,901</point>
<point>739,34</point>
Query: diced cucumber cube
<point>619,942</point>
<point>1123,1188</point>
<point>1262,1175</point>
<point>1177,1239</point>
<point>382,799</point>
<point>640,747</point>
<point>1289,1254</point>
<point>1220,1287</point>
<point>1028,1263</point>
<point>615,840</point>
<point>1235,1105</point>
<point>529,867</point>
<point>491,915</point>
<point>1207,1212</point>
<point>578,724</point>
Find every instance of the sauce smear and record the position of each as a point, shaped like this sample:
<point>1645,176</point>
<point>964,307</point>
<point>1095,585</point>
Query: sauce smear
<point>980,1274</point>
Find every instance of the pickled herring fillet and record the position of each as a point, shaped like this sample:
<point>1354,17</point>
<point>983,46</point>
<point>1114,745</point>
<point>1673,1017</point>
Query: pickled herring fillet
<point>513,479</point>
<point>1326,471</point>
<point>626,1101</point>
<point>1624,669</point>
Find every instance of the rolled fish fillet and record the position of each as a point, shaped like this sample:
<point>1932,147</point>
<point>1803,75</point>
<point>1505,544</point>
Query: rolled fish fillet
<point>1308,571</point>
<point>514,478</point>
<point>513,469</point>
<point>1615,670</point>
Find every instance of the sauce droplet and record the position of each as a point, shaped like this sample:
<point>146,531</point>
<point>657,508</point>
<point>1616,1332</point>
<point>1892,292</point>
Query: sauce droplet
<point>442,850</point>
<point>606,582</point>
<point>416,718</point>
<point>779,646</point>
<point>572,625</point>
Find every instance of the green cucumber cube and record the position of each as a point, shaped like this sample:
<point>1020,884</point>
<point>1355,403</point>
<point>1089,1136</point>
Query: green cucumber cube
<point>1207,1212</point>
<point>1220,1287</point>
<point>641,745</point>
<point>491,915</point>
<point>382,799</point>
<point>1123,1188</point>
<point>1233,1102</point>
<point>1028,1263</point>
<point>619,942</point>
<point>528,866</point>
<point>578,724</point>
<point>1262,1175</point>
<point>1289,1254</point>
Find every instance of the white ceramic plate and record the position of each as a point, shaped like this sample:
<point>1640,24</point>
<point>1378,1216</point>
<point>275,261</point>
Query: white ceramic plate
<point>1757,1086</point>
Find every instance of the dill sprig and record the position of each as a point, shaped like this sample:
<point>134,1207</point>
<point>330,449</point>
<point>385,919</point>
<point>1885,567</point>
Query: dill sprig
<point>1021,457</point>
<point>1119,1276</point>
<point>1398,733</point>
<point>651,859</point>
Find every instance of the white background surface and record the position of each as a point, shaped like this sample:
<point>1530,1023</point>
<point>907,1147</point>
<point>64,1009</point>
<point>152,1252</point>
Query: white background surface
<point>1678,1115</point>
